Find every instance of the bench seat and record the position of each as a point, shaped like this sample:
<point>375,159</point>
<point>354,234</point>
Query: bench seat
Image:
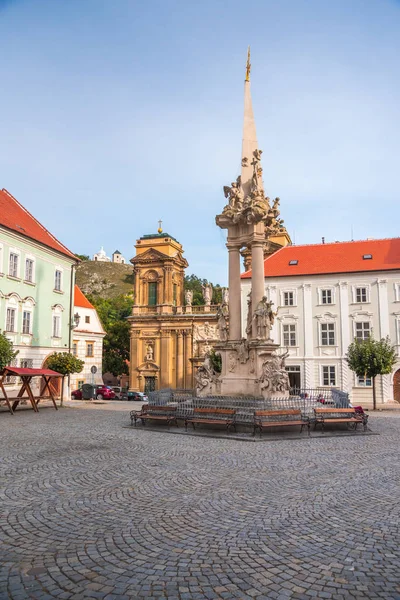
<point>150,412</point>
<point>339,415</point>
<point>212,416</point>
<point>264,419</point>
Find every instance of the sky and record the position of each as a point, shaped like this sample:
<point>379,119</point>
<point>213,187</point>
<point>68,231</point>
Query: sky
<point>117,113</point>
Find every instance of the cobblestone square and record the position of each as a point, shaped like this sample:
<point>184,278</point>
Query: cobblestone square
<point>90,509</point>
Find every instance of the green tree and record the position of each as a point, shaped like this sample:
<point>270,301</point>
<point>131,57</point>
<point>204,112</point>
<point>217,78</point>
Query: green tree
<point>83,257</point>
<point>113,314</point>
<point>216,361</point>
<point>7,353</point>
<point>195,284</point>
<point>370,357</point>
<point>66,364</point>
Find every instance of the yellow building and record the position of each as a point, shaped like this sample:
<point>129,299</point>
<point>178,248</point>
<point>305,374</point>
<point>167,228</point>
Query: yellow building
<point>169,337</point>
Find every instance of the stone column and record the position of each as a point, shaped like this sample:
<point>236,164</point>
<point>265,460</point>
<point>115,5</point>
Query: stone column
<point>133,383</point>
<point>165,358</point>
<point>179,359</point>
<point>188,364</point>
<point>257,278</point>
<point>235,301</point>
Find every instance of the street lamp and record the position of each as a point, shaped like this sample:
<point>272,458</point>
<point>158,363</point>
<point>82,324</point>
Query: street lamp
<point>77,318</point>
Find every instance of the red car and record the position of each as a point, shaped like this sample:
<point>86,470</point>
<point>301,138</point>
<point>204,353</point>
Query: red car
<point>101,391</point>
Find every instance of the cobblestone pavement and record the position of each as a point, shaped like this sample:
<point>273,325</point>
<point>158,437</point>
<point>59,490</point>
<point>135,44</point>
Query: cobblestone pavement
<point>90,509</point>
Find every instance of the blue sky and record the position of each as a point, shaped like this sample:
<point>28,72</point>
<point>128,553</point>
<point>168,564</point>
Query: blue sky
<point>117,113</point>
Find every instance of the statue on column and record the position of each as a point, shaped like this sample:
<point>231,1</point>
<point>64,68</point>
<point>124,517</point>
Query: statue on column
<point>264,317</point>
<point>188,297</point>
<point>222,322</point>
<point>249,326</point>
<point>207,290</point>
<point>225,295</point>
<point>205,374</point>
<point>274,377</point>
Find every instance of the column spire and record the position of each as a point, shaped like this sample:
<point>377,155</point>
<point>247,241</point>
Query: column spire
<point>249,140</point>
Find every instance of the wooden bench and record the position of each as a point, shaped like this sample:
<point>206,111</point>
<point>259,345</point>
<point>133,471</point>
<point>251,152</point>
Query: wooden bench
<point>212,416</point>
<point>339,415</point>
<point>151,412</point>
<point>264,419</point>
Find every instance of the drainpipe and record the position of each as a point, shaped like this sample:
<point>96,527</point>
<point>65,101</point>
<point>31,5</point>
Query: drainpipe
<point>71,310</point>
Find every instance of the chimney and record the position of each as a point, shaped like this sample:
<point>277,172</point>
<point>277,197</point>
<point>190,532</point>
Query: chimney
<point>323,240</point>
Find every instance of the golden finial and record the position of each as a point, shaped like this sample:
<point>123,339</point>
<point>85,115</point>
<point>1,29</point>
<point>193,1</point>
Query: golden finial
<point>159,226</point>
<point>248,65</point>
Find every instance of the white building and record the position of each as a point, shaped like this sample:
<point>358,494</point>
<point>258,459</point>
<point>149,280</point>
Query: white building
<point>118,258</point>
<point>101,256</point>
<point>325,295</point>
<point>87,341</point>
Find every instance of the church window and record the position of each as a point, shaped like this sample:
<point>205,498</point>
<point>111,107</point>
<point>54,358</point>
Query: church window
<point>289,335</point>
<point>327,334</point>
<point>152,293</point>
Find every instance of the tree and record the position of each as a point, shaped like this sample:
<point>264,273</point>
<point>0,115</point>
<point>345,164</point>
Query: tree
<point>194,283</point>
<point>83,257</point>
<point>216,361</point>
<point>370,357</point>
<point>7,354</point>
<point>113,314</point>
<point>66,364</point>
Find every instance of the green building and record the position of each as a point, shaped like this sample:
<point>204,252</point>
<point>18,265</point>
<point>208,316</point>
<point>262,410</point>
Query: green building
<point>37,278</point>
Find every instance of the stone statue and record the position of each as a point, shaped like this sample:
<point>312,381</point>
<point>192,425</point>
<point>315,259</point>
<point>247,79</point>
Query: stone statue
<point>188,297</point>
<point>274,377</point>
<point>264,317</point>
<point>243,352</point>
<point>205,374</point>
<point>235,195</point>
<point>207,293</point>
<point>232,362</point>
<point>149,352</point>
<point>225,295</point>
<point>222,324</point>
<point>249,325</point>
<point>257,170</point>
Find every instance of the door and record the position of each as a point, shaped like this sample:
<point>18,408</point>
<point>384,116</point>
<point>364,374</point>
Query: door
<point>294,378</point>
<point>149,384</point>
<point>396,386</point>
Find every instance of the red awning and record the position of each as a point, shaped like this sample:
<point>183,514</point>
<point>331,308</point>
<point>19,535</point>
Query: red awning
<point>32,372</point>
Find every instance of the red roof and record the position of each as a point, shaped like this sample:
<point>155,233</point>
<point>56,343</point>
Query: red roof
<point>14,216</point>
<point>80,299</point>
<point>34,372</point>
<point>339,257</point>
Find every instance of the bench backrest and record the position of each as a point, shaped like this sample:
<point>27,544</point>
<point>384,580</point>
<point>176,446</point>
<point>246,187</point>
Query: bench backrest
<point>217,412</point>
<point>278,413</point>
<point>159,409</point>
<point>338,411</point>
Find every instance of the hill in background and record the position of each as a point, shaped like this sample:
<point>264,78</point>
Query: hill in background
<point>103,279</point>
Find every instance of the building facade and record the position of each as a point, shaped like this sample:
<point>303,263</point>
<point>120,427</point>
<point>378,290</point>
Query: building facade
<point>168,337</point>
<point>87,343</point>
<point>325,296</point>
<point>37,276</point>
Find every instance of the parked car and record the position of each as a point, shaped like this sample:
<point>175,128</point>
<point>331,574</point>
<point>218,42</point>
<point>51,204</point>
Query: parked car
<point>118,391</point>
<point>101,391</point>
<point>134,396</point>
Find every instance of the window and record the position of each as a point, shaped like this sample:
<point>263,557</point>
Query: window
<point>289,335</point>
<point>81,381</point>
<point>326,297</point>
<point>153,293</point>
<point>75,348</point>
<point>26,363</point>
<point>327,334</point>
<point>87,319</point>
<point>89,349</point>
<point>29,270</point>
<point>367,256</point>
<point>10,321</point>
<point>328,375</point>
<point>174,293</point>
<point>56,326</point>
<point>364,381</point>
<point>26,322</point>
<point>293,262</point>
<point>361,295</point>
<point>288,298</point>
<point>363,330</point>
<point>57,281</point>
<point>13,269</point>
<point>11,379</point>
